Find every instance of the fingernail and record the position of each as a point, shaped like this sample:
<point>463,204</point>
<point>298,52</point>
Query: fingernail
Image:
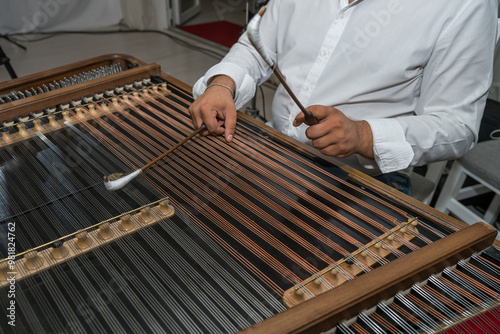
<point>229,137</point>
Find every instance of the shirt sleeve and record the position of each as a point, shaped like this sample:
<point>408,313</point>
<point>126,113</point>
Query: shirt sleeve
<point>243,63</point>
<point>453,94</point>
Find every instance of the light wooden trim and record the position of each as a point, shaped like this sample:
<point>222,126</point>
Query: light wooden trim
<point>58,73</point>
<point>21,108</point>
<point>326,310</point>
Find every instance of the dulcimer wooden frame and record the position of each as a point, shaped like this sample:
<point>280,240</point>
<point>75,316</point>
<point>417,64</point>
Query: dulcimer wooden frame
<point>326,310</point>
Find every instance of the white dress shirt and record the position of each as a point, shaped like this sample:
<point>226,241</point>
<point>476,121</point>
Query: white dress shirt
<point>417,70</point>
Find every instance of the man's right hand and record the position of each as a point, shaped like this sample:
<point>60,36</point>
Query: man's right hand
<point>215,108</point>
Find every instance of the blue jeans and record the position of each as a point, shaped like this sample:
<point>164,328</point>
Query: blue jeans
<point>396,180</point>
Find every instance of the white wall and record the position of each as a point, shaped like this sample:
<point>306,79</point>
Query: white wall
<point>24,16</point>
<point>145,14</point>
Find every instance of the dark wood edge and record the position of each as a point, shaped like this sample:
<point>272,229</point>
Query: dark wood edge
<point>177,83</point>
<point>326,310</point>
<point>22,108</point>
<point>58,73</point>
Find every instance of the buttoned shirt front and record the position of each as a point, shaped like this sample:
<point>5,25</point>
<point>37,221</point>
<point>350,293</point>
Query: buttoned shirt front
<point>417,71</point>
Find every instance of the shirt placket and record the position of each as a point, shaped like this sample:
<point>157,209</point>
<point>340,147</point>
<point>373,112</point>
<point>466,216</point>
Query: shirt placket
<point>329,44</point>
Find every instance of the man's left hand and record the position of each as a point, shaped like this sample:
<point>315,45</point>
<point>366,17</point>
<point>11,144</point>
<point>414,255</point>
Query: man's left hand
<point>336,134</point>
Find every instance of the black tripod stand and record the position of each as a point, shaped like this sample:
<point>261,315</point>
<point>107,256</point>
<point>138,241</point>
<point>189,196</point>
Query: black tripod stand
<point>4,60</point>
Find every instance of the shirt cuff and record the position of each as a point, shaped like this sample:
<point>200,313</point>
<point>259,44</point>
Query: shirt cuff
<point>392,151</point>
<point>245,85</point>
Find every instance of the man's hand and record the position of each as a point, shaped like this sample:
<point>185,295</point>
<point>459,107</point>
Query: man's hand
<point>215,108</point>
<point>336,135</point>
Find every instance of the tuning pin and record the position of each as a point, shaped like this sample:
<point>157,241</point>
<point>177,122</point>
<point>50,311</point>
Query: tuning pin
<point>83,240</point>
<point>2,101</point>
<point>52,121</point>
<point>66,116</point>
<point>34,115</point>
<point>349,260</point>
<point>166,208</point>
<point>125,223</point>
<point>38,125</point>
<point>92,111</point>
<point>79,113</point>
<point>85,100</point>
<point>21,119</point>
<point>146,215</point>
<point>32,260</point>
<point>21,129</point>
<point>6,136</point>
<point>4,269</point>
<point>59,250</point>
<point>105,231</point>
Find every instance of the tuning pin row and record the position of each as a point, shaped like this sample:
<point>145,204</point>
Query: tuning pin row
<point>84,241</point>
<point>62,83</point>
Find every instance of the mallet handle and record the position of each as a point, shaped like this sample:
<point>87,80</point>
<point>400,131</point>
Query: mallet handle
<point>309,117</point>
<point>179,144</point>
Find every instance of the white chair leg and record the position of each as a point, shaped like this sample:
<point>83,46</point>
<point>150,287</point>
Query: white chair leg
<point>434,172</point>
<point>451,187</point>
